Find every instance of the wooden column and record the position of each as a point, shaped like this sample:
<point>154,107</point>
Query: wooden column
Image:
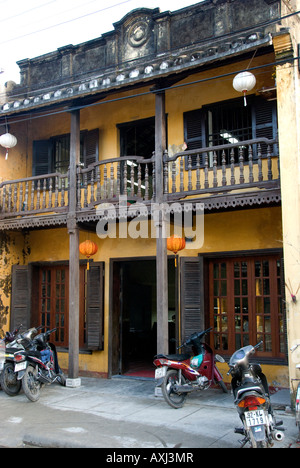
<point>73,231</point>
<point>161,242</point>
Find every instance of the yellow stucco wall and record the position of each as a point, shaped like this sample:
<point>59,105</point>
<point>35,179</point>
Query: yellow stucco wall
<point>240,230</point>
<point>228,231</point>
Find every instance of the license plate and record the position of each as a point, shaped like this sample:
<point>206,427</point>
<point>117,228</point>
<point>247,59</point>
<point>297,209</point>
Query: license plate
<point>20,366</point>
<point>255,418</point>
<point>160,372</point>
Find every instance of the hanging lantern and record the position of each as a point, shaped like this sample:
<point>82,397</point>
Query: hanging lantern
<point>7,141</point>
<point>88,248</point>
<point>175,244</point>
<point>243,82</point>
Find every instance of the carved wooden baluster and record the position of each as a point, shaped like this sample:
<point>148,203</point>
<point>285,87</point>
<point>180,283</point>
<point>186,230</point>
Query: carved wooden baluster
<point>118,179</point>
<point>50,193</point>
<point>269,155</point>
<point>92,187</point>
<point>62,193</point>
<point>56,193</point>
<point>232,180</point>
<point>215,180</point>
<point>32,195</point>
<point>44,193</point>
<point>132,180</point>
<point>259,163</point>
<point>181,189</point>
<point>146,182</point>
<point>26,197</point>
<point>98,197</point>
<point>125,178</point>
<point>78,188</point>
<point>206,171</point>
<point>9,198</point>
<point>105,183</point>
<point>4,199</point>
<point>251,178</point>
<point>198,185</point>
<point>85,186</point>
<point>153,177</point>
<point>112,180</point>
<point>224,181</point>
<point>38,194</point>
<point>241,161</point>
<point>139,191</point>
<point>15,197</point>
<point>166,178</point>
<point>173,176</point>
<point>189,173</point>
<point>21,197</point>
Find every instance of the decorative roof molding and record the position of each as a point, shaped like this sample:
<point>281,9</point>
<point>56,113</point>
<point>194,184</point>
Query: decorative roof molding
<point>145,45</point>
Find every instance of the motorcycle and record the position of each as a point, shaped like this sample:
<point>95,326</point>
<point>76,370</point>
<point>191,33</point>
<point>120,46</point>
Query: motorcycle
<point>13,342</point>
<point>180,374</point>
<point>297,395</point>
<point>252,400</point>
<point>38,365</point>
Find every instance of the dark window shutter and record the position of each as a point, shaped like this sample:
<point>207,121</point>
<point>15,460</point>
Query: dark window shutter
<point>20,297</point>
<point>42,157</point>
<point>264,121</point>
<point>195,133</point>
<point>192,296</point>
<point>95,304</point>
<point>90,147</point>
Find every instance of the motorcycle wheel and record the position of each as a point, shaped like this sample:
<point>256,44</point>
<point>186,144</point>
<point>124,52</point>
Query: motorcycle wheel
<point>31,385</point>
<point>176,400</point>
<point>8,380</point>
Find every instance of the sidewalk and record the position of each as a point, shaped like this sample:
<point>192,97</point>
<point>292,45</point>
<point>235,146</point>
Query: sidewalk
<point>124,413</point>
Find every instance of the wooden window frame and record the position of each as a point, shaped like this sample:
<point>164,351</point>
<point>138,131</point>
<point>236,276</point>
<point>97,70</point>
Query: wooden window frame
<point>25,298</point>
<point>278,352</point>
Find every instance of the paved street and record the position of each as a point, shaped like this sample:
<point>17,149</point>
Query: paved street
<point>124,413</point>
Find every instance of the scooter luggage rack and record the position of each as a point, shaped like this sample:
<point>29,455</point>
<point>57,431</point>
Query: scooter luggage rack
<point>244,390</point>
<point>173,357</point>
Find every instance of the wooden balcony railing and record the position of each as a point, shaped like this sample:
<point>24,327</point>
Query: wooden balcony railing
<point>193,173</point>
<point>34,195</point>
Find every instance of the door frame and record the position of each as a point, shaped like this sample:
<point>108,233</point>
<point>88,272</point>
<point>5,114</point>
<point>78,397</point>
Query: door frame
<point>114,321</point>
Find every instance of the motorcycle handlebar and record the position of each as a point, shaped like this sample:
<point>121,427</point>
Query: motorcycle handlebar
<point>195,336</point>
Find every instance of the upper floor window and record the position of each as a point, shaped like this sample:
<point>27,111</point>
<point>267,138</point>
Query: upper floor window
<point>230,122</point>
<point>53,155</point>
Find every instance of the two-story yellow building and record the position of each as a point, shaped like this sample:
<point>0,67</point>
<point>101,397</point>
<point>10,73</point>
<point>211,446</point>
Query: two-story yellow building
<point>141,130</point>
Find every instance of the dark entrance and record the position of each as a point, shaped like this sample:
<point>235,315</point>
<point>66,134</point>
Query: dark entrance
<point>134,316</point>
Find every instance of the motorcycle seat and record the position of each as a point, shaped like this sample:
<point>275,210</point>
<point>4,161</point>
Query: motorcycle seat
<point>173,357</point>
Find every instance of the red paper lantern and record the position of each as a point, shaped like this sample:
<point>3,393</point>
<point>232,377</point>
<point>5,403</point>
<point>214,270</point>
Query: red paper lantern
<point>88,248</point>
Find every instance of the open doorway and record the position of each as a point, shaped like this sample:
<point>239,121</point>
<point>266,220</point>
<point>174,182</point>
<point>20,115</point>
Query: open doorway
<point>134,316</point>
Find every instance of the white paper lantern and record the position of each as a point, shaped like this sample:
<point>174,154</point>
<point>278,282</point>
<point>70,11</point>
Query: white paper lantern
<point>7,141</point>
<point>243,82</point>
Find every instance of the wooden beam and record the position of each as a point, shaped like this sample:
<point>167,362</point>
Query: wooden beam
<point>161,243</point>
<point>73,231</point>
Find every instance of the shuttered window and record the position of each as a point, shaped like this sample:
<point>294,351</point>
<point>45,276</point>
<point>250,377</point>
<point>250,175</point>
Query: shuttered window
<point>192,296</point>
<point>230,122</point>
<point>53,155</point>
<point>40,296</point>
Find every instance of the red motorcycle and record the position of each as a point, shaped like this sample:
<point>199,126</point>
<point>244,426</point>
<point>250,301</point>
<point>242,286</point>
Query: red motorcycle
<point>180,374</point>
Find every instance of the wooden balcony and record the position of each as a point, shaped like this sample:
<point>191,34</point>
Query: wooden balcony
<point>227,170</point>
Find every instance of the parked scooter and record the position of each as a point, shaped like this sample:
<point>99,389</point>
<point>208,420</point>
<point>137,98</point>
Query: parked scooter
<point>38,365</point>
<point>180,374</point>
<point>13,342</point>
<point>297,395</point>
<point>252,400</point>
